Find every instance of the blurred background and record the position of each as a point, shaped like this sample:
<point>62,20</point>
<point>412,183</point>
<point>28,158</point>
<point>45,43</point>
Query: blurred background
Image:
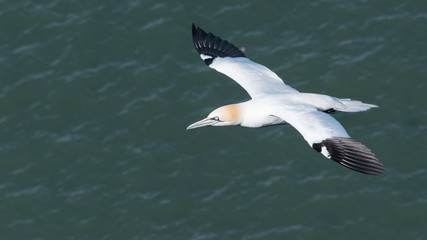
<point>95,97</point>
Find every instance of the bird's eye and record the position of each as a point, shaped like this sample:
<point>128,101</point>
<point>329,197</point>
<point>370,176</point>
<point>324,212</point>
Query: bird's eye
<point>216,118</point>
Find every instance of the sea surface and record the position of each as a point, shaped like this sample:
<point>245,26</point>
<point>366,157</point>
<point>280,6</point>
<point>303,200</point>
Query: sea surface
<point>95,98</point>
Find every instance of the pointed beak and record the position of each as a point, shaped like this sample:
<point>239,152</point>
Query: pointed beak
<point>203,123</point>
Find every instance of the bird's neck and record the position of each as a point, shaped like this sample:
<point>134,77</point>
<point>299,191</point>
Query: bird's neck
<point>233,113</point>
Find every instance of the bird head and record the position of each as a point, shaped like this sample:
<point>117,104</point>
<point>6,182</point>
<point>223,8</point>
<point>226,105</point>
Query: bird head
<point>228,115</point>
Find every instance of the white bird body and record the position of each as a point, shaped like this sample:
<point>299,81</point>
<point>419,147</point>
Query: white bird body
<point>273,103</point>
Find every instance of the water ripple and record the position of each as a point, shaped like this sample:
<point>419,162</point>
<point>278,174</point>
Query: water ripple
<point>26,191</point>
<point>155,23</point>
<point>233,8</point>
<point>215,193</point>
<point>273,232</point>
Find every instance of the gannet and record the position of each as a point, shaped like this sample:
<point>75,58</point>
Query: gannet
<point>273,102</point>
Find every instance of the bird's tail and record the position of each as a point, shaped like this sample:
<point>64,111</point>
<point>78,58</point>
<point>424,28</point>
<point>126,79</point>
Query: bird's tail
<point>353,105</point>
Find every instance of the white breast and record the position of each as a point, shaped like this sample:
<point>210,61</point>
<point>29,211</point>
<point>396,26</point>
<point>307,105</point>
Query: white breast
<point>255,114</point>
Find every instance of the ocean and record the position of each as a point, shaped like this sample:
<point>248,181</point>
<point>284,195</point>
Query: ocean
<point>95,98</point>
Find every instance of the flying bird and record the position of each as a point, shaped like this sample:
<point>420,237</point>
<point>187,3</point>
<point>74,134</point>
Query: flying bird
<point>273,102</point>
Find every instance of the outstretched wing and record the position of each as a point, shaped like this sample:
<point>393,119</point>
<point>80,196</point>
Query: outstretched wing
<point>327,136</point>
<point>226,58</point>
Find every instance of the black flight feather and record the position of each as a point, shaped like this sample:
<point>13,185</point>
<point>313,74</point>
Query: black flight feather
<point>213,46</point>
<point>351,154</point>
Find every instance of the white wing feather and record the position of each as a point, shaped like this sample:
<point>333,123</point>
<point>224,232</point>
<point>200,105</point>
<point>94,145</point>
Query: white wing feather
<point>226,58</point>
<point>314,126</point>
<point>255,78</point>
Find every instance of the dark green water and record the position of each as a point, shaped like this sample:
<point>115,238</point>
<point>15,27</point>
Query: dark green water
<point>95,97</point>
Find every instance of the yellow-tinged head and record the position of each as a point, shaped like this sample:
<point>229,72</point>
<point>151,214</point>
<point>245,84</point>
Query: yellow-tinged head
<point>228,115</point>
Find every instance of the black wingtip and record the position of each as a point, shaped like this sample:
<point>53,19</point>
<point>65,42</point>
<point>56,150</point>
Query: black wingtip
<point>351,154</point>
<point>193,29</point>
<point>210,45</point>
